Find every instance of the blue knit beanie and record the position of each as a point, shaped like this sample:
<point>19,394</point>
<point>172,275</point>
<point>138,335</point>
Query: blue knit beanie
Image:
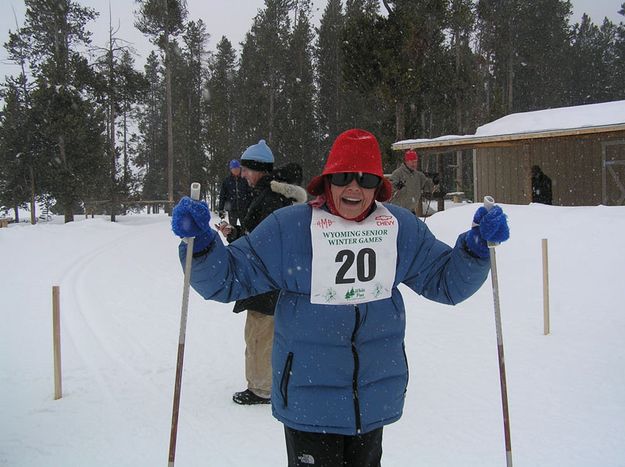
<point>234,164</point>
<point>258,157</point>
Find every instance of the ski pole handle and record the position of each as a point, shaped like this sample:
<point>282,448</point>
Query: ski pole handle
<point>195,196</point>
<point>195,191</point>
<point>489,202</point>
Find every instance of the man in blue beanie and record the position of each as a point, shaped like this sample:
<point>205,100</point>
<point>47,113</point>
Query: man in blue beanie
<point>268,195</point>
<point>235,195</point>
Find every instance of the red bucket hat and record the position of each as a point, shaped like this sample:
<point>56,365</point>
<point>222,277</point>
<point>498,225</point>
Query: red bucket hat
<point>354,151</point>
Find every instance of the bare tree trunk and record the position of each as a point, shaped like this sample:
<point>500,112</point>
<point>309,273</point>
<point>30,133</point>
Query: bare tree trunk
<point>170,127</point>
<point>68,204</point>
<point>33,213</point>
<point>459,113</point>
<point>112,152</point>
<point>33,206</point>
<point>400,121</point>
<point>68,213</point>
<point>271,113</point>
<point>510,78</point>
<point>126,162</point>
<point>113,155</point>
<point>458,171</point>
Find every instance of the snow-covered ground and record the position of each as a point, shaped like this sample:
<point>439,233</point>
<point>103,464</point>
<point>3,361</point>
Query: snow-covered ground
<point>121,289</point>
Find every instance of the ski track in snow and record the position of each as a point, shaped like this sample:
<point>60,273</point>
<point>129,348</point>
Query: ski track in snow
<point>82,321</point>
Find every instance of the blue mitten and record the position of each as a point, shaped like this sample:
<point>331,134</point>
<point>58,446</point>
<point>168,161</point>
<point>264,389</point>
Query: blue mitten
<point>488,226</point>
<point>192,219</point>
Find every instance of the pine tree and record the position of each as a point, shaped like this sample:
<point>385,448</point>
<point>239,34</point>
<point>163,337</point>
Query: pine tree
<point>262,104</point>
<point>414,37</point>
<point>190,116</point>
<point>619,58</point>
<point>16,163</point>
<point>592,73</point>
<point>463,89</point>
<point>220,129</point>
<point>465,83</point>
<point>250,101</point>
<point>299,140</point>
<point>497,40</point>
<point>121,88</point>
<point>361,41</point>
<point>67,121</point>
<point>163,20</point>
<point>362,68</point>
<point>332,102</point>
<point>526,47</point>
<point>17,135</point>
<point>543,52</point>
<point>151,155</point>
<point>133,87</point>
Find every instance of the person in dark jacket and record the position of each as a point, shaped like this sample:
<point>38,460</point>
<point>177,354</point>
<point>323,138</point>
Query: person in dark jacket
<point>235,195</point>
<point>340,372</point>
<point>270,191</point>
<point>541,186</point>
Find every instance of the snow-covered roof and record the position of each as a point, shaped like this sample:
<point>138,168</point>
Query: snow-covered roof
<point>563,121</point>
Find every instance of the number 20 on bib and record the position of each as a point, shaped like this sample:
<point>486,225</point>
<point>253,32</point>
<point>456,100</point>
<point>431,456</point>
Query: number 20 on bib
<point>353,262</point>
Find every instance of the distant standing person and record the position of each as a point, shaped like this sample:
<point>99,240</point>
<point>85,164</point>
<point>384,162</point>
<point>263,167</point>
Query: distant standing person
<point>272,190</point>
<point>541,186</point>
<point>235,195</point>
<point>409,183</point>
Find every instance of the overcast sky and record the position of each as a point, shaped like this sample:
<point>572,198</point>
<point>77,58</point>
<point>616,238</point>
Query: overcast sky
<point>231,18</point>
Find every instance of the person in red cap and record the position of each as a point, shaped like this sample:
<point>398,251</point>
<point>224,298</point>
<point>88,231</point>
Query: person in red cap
<point>410,183</point>
<point>340,372</point>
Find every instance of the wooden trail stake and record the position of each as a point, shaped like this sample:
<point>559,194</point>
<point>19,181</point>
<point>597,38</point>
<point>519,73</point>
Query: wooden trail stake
<point>56,340</point>
<point>546,327</point>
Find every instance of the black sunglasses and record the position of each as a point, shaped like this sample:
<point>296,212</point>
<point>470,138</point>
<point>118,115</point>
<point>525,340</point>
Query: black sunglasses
<point>365,180</point>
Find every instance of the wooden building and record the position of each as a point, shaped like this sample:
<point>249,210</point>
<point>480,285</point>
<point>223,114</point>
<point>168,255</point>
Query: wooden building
<point>582,150</point>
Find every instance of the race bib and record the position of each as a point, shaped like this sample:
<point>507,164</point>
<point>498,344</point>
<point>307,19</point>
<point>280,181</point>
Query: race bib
<point>353,262</point>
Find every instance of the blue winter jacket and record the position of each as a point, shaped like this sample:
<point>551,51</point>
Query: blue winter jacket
<point>336,368</point>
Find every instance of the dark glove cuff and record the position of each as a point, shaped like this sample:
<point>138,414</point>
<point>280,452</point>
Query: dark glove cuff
<point>203,242</point>
<point>475,244</point>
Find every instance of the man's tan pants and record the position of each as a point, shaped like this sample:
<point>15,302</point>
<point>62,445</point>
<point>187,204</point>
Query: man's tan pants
<point>258,344</point>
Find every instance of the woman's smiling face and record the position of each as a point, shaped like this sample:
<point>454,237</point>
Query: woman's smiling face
<point>351,200</point>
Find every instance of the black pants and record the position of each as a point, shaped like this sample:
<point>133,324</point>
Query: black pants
<point>306,449</point>
<point>235,217</point>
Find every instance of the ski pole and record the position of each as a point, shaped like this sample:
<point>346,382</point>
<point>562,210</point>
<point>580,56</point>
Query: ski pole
<point>195,195</point>
<point>427,208</point>
<point>489,202</point>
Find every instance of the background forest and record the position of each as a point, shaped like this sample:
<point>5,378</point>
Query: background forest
<point>82,123</point>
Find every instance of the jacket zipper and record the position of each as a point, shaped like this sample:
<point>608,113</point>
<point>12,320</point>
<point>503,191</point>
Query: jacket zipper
<point>355,375</point>
<point>286,375</point>
<point>236,191</point>
<point>403,347</point>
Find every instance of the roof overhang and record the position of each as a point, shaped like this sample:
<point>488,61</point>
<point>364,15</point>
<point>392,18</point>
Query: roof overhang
<point>457,143</point>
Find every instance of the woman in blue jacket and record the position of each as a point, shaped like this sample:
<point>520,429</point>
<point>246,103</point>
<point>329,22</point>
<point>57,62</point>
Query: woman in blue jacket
<point>339,367</point>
